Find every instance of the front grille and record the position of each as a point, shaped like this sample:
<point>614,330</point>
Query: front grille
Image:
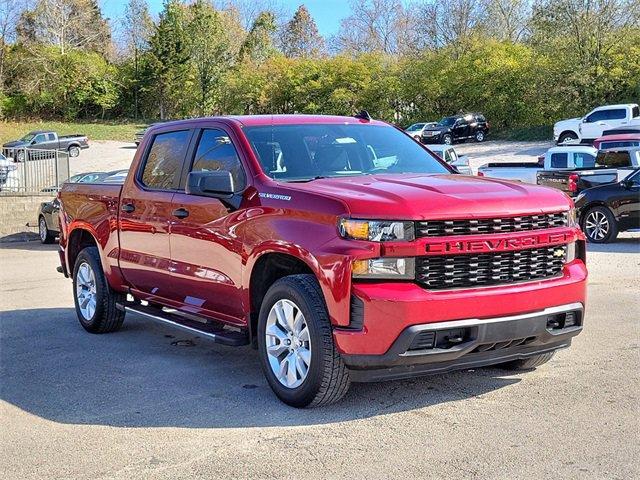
<point>475,270</point>
<point>441,228</point>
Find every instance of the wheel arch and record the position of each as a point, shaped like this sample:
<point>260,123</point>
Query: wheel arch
<point>568,131</point>
<point>78,239</point>
<point>268,266</point>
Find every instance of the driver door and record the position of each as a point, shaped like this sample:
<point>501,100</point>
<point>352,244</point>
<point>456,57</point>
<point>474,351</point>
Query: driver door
<point>206,254</point>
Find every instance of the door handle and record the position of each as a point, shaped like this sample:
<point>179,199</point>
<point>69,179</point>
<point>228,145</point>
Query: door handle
<point>180,213</point>
<point>128,208</point>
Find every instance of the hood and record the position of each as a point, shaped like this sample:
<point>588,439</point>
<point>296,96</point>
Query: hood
<point>14,144</point>
<point>567,123</point>
<point>436,197</point>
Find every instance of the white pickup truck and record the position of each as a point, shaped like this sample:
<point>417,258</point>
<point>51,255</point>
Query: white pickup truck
<point>592,125</point>
<point>556,158</point>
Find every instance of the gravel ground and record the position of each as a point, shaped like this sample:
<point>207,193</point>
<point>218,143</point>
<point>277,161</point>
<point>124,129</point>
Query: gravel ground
<point>134,405</point>
<point>112,155</point>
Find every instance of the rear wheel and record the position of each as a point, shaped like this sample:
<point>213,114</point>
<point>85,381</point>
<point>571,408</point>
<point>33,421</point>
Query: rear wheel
<point>96,303</point>
<point>447,139</point>
<point>295,342</point>
<point>479,136</point>
<point>74,151</point>
<point>46,236</point>
<point>599,225</point>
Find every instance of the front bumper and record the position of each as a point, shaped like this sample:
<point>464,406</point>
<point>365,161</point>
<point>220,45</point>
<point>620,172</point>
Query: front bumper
<point>445,346</point>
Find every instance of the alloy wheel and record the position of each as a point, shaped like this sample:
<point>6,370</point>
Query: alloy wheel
<point>288,343</point>
<point>596,225</point>
<point>42,229</point>
<point>86,291</point>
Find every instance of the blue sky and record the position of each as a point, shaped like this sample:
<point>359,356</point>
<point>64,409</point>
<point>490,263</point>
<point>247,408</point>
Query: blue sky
<point>326,13</point>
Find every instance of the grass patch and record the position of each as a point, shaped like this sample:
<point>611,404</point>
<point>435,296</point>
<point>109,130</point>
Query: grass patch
<point>523,134</point>
<point>116,130</point>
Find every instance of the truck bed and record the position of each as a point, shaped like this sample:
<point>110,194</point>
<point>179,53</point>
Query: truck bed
<point>93,203</point>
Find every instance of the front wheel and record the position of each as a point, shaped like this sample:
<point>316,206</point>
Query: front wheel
<point>479,136</point>
<point>567,137</point>
<point>599,225</point>
<point>20,156</point>
<point>295,343</point>
<point>528,363</point>
<point>96,303</point>
<point>74,151</point>
<point>447,139</point>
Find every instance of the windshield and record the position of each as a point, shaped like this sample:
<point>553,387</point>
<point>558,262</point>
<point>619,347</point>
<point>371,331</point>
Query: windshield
<point>306,152</point>
<point>28,137</point>
<point>415,127</point>
<point>447,121</point>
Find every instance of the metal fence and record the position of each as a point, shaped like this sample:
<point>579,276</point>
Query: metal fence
<point>29,170</point>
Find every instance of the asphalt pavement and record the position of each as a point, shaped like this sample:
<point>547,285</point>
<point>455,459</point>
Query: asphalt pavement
<point>152,402</point>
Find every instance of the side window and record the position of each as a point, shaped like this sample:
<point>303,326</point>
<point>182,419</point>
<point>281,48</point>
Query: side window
<point>559,160</point>
<point>597,116</point>
<point>635,113</point>
<point>39,138</point>
<point>164,162</point>
<point>616,114</point>
<point>584,160</point>
<point>50,137</point>
<point>216,152</point>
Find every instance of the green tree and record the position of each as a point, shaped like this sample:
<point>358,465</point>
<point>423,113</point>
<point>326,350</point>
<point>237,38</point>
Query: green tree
<point>258,44</point>
<point>169,59</point>
<point>300,37</point>
<point>138,27</point>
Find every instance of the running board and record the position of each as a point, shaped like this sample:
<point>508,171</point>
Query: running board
<point>216,332</point>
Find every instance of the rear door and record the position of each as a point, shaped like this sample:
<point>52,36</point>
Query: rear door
<point>206,255</point>
<point>145,213</point>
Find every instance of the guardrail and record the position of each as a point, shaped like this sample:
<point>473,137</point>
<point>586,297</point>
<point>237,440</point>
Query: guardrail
<point>38,171</point>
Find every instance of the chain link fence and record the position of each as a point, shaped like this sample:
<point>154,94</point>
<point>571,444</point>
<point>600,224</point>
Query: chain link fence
<point>32,171</point>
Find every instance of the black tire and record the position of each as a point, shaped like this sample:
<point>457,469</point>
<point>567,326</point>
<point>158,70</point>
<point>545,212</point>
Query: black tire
<point>603,218</point>
<point>480,136</point>
<point>74,151</point>
<point>528,363</point>
<point>567,136</point>
<point>20,156</point>
<point>447,139</point>
<point>46,235</point>
<point>327,380</point>
<point>106,317</point>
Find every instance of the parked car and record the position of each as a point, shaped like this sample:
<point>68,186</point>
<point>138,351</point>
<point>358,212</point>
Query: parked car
<point>448,154</point>
<point>416,129</point>
<point>593,125</point>
<point>89,177</point>
<point>608,209</point>
<point>31,145</point>
<point>556,158</point>
<point>211,234</point>
<point>610,166</point>
<point>117,176</point>
<point>457,128</point>
<point>621,140</point>
<point>48,225</point>
<point>140,133</point>
<point>9,178</point>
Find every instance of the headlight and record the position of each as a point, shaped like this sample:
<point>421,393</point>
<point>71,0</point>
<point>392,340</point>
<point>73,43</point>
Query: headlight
<point>572,219</point>
<point>377,230</point>
<point>385,268</point>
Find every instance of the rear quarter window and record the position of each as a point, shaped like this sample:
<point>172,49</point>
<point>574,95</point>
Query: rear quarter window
<point>559,160</point>
<point>164,161</point>
<point>614,159</point>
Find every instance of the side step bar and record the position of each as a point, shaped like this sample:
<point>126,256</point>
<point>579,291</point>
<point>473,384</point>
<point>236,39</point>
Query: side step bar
<point>216,332</point>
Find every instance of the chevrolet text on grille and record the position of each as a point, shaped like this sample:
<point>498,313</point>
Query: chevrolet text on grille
<point>497,245</point>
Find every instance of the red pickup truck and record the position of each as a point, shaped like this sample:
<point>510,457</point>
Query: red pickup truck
<point>337,246</point>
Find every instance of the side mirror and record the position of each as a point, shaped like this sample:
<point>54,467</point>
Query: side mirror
<point>216,184</point>
<point>628,184</point>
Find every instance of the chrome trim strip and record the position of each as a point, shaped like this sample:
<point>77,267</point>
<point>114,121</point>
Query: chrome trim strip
<point>471,322</point>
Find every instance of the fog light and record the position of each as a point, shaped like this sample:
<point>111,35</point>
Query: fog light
<point>385,268</point>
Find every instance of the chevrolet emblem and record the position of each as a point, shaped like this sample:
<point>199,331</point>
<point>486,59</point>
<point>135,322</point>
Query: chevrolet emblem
<point>559,252</point>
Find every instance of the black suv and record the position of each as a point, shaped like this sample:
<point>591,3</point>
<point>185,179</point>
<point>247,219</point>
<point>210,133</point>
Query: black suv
<point>456,128</point>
